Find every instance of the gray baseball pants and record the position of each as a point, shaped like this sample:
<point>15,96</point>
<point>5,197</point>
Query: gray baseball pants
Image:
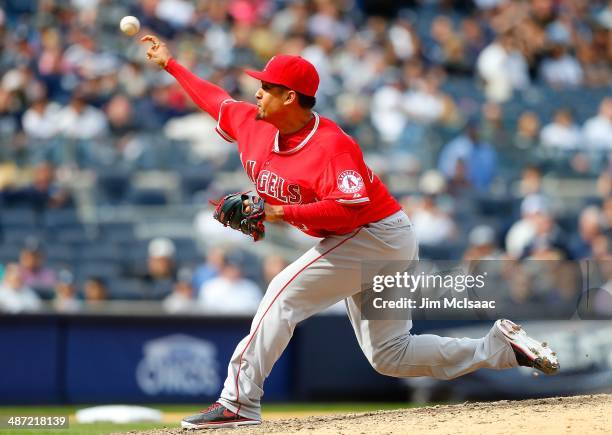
<point>329,272</point>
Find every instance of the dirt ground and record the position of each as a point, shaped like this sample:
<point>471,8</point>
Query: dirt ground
<point>561,415</point>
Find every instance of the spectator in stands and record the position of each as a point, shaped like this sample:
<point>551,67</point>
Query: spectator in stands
<point>474,41</point>
<point>597,131</point>
<point>482,245</point>
<point>492,128</point>
<point>161,267</point>
<point>523,146</point>
<point>15,296</point>
<point>34,273</point>
<point>95,291</point>
<point>561,69</point>
<point>272,266</point>
<point>597,66</point>
<point>210,269</point>
<point>602,297</point>
<point>181,299</point>
<point>527,131</point>
<point>433,226</point>
<point>503,68</point>
<point>530,182</point>
<point>291,20</point>
<point>9,122</point>
<point>425,104</point>
<point>403,38</point>
<point>65,299</point>
<point>606,214</point>
<point>589,227</point>
<point>386,109</point>
<point>44,192</point>
<point>547,240</point>
<point>121,120</point>
<point>604,183</point>
<point>523,231</point>
<point>40,120</point>
<point>567,285</point>
<point>230,292</point>
<point>80,120</point>
<point>479,157</point>
<point>604,16</point>
<point>445,47</point>
<point>561,134</point>
<point>520,284</point>
<point>355,121</point>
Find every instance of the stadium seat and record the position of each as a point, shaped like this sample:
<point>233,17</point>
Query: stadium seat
<point>116,231</point>
<point>99,251</point>
<point>59,253</point>
<point>126,289</point>
<point>106,270</point>
<point>498,207</point>
<point>195,180</point>
<point>18,217</point>
<point>60,218</point>
<point>113,185</point>
<point>446,251</point>
<point>149,197</point>
<point>71,234</point>
<point>187,251</point>
<point>568,223</point>
<point>19,235</point>
<point>9,252</point>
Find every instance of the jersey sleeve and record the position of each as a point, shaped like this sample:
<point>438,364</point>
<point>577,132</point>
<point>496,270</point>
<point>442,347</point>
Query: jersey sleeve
<point>206,95</point>
<point>232,116</point>
<point>343,182</point>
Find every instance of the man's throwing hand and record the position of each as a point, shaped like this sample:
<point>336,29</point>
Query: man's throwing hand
<point>158,52</point>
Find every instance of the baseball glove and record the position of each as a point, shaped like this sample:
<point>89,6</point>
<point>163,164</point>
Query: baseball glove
<point>242,212</point>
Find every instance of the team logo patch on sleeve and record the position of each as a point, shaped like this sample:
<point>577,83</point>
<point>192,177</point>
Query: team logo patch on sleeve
<point>350,182</point>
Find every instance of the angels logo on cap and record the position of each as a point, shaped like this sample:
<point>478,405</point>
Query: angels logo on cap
<point>350,182</point>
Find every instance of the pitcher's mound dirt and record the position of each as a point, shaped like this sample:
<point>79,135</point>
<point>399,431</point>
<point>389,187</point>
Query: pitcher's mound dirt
<point>560,415</point>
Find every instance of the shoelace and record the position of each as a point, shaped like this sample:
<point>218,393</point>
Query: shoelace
<point>211,408</point>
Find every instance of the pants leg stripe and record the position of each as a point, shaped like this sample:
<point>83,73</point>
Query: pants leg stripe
<point>270,306</point>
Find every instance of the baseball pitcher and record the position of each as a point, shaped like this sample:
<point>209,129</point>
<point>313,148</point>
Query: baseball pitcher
<point>310,174</point>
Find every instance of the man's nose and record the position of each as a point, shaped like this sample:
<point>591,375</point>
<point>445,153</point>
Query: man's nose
<point>258,94</point>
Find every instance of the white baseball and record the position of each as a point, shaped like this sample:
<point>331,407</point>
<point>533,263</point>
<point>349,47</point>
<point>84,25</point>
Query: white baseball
<point>129,25</point>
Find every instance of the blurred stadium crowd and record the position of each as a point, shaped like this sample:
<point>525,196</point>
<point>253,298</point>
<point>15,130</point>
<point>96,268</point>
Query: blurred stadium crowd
<point>491,121</point>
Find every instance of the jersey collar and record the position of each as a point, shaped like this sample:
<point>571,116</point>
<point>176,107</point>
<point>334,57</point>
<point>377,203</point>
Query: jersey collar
<point>303,143</point>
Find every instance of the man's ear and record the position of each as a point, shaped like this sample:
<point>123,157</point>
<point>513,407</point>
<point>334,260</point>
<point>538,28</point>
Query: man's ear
<point>290,97</point>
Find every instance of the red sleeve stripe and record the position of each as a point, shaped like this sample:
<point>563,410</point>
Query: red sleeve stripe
<point>353,201</point>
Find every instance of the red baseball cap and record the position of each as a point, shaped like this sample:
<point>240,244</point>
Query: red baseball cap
<point>293,72</point>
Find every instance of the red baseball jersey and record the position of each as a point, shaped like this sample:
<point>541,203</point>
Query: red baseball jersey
<point>327,164</point>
